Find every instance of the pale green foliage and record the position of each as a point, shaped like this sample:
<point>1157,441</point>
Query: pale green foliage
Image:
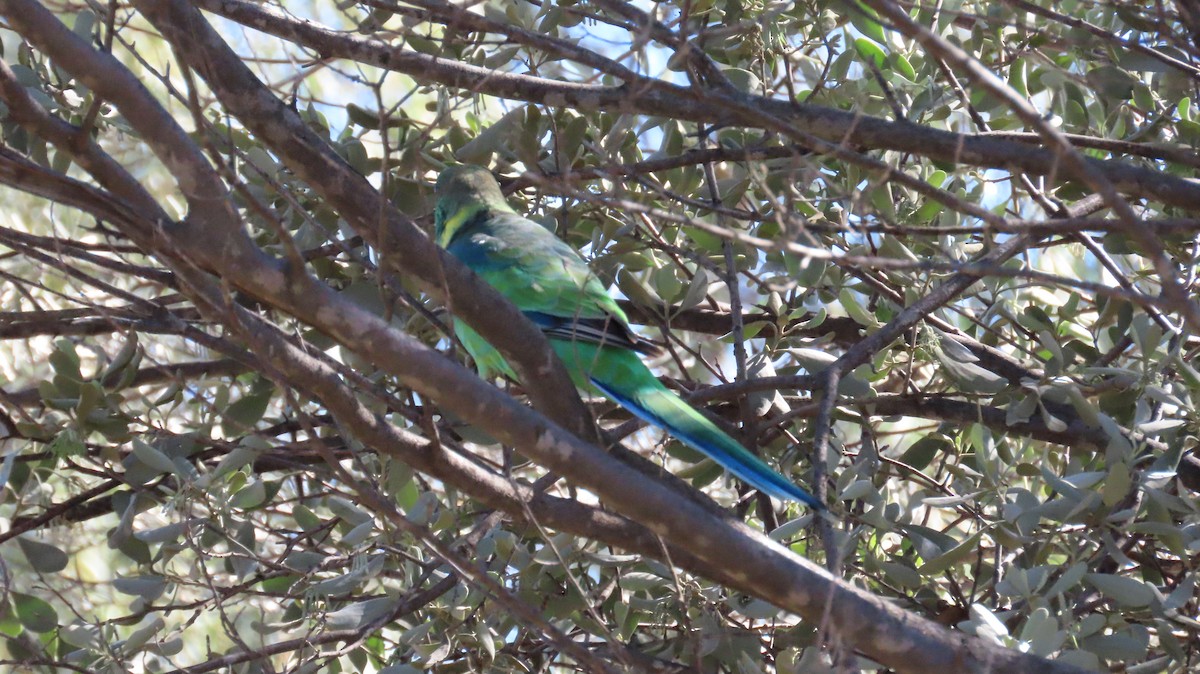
<point>194,515</point>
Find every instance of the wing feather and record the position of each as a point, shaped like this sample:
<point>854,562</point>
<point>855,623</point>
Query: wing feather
<point>546,279</point>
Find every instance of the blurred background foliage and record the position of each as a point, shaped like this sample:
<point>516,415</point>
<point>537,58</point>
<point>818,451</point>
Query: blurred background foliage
<point>1016,466</point>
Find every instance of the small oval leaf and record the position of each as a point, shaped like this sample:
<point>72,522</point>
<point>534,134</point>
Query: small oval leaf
<point>43,556</point>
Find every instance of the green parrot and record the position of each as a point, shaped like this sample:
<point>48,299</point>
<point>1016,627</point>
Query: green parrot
<point>554,287</point>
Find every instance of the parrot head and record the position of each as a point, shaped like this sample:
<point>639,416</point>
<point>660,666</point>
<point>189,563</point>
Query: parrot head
<point>462,192</point>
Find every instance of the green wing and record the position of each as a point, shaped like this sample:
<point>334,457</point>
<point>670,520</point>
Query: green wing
<point>534,269</point>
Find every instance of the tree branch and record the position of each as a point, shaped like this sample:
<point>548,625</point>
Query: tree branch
<point>660,98</point>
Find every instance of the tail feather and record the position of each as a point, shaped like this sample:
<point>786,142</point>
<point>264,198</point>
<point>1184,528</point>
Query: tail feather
<point>655,404</point>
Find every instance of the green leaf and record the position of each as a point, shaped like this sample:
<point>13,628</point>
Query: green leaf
<point>44,557</point>
<point>969,376</point>
<point>240,456</point>
<point>855,309</point>
<point>1126,591</point>
<point>984,618</point>
<point>1041,627</point>
<point>304,560</point>
<point>1016,77</point>
<point>34,613</point>
<point>358,534</point>
<point>361,613</point>
<point>250,496</point>
<point>1112,82</point>
<point>953,556</point>
<point>85,23</point>
<point>893,247</point>
<point>346,582</point>
<point>869,50</point>
<point>67,444</point>
<point>91,398</point>
<point>903,575</point>
<point>241,415</point>
<point>791,528</point>
<point>1128,645</point>
<point>163,534</point>
<point>1068,580</point>
<point>903,67</point>
<point>743,80</point>
<point>1117,484</point>
<point>10,624</point>
<point>65,360</point>
<point>929,543</point>
<point>857,490</point>
<point>81,635</point>
<point>480,149</point>
<point>146,587</point>
<point>922,452</point>
<point>306,518</point>
<point>138,638</point>
<point>865,20</point>
<point>696,292</point>
<point>152,458</point>
<point>348,511</point>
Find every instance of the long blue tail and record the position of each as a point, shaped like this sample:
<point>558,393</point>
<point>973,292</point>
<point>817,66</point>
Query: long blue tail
<point>653,403</point>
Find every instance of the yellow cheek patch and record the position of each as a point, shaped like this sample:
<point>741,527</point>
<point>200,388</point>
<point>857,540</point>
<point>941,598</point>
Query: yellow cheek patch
<point>453,224</point>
